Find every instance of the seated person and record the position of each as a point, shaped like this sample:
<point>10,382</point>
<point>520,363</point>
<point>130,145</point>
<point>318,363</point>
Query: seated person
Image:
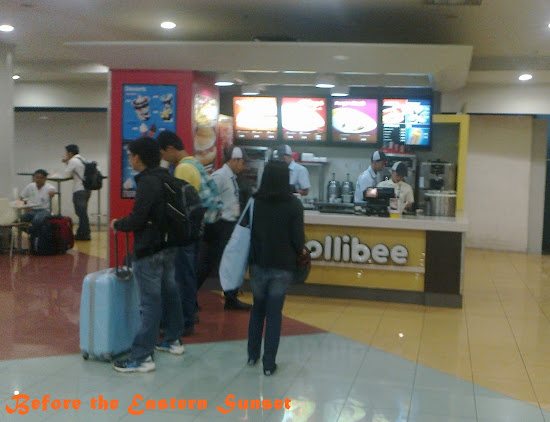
<point>37,195</point>
<point>403,190</point>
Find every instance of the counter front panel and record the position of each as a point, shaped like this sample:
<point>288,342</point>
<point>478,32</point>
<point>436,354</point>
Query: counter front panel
<point>366,257</point>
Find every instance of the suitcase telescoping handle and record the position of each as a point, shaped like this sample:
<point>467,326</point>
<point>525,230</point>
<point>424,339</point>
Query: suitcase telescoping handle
<point>123,271</point>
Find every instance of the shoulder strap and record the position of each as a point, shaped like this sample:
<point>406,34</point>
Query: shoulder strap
<point>83,162</point>
<point>250,208</point>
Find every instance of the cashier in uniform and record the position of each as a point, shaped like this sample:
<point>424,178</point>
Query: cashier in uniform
<point>299,176</point>
<point>403,191</point>
<point>369,178</point>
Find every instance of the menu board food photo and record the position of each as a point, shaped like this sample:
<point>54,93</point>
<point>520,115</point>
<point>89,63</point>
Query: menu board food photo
<point>406,121</point>
<point>205,118</point>
<point>304,119</point>
<point>355,120</point>
<point>255,117</point>
<point>148,110</point>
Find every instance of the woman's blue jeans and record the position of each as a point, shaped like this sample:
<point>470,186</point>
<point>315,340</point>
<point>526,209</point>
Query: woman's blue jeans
<point>269,287</point>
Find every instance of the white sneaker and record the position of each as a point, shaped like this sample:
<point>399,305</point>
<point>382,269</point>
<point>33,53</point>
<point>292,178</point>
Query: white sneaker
<point>175,347</point>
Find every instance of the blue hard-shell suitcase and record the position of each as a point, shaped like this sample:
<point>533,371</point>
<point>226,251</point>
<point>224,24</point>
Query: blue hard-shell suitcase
<point>109,312</point>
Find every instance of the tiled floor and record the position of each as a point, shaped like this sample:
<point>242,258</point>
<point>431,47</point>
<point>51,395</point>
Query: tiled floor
<point>339,360</point>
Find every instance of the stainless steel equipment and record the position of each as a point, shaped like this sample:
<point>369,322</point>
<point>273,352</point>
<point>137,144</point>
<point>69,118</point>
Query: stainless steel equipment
<point>435,175</point>
<point>258,158</point>
<point>333,190</point>
<point>347,190</point>
<point>440,203</point>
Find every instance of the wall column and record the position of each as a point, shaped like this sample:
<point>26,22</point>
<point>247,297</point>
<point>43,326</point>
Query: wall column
<point>7,144</point>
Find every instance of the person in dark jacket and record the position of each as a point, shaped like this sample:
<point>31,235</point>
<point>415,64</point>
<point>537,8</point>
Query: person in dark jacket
<point>154,264</point>
<point>277,240</point>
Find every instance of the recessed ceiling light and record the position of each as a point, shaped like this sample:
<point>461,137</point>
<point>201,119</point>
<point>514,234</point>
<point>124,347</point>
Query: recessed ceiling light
<point>341,58</point>
<point>525,77</point>
<point>168,25</point>
<point>6,28</point>
<point>15,77</point>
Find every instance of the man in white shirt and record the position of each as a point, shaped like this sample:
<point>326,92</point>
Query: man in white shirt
<point>226,180</point>
<point>403,191</point>
<point>75,169</point>
<point>37,195</point>
<point>299,175</point>
<point>369,178</point>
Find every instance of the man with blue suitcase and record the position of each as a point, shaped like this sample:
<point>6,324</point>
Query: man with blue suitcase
<point>153,266</point>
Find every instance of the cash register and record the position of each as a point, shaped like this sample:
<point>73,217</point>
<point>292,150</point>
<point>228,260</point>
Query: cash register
<point>377,201</point>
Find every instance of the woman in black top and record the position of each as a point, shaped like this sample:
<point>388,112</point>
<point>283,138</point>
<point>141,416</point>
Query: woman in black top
<point>276,242</point>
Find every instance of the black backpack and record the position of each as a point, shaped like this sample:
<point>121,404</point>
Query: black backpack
<point>184,222</point>
<point>93,179</point>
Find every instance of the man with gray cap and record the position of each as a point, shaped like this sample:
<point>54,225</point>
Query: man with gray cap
<point>369,178</point>
<point>299,176</point>
<point>226,180</point>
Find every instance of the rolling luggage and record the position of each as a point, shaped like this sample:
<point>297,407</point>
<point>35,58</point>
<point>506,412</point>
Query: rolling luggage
<point>109,311</point>
<point>63,228</point>
<point>53,236</point>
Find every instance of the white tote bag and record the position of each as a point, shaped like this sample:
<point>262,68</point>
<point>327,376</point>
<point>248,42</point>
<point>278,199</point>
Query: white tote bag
<point>235,255</point>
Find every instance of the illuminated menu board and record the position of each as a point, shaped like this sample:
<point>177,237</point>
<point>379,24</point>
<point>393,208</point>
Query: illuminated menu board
<point>304,119</point>
<point>355,120</point>
<point>406,121</point>
<point>255,118</point>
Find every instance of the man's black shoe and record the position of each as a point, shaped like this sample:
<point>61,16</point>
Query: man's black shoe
<point>234,304</point>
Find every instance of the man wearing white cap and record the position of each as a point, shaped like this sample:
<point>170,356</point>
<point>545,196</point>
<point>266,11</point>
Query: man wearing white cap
<point>299,176</point>
<point>369,178</point>
<point>403,190</point>
<point>226,179</point>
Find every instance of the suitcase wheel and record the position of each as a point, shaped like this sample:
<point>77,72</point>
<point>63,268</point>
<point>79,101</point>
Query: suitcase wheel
<point>85,355</point>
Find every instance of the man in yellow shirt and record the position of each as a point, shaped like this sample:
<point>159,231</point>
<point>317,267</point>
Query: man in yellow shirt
<point>173,151</point>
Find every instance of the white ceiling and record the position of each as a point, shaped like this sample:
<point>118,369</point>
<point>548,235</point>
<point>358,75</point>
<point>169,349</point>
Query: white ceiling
<point>66,39</point>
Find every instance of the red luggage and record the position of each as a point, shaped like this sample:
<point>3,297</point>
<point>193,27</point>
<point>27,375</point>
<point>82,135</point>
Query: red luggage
<point>64,237</point>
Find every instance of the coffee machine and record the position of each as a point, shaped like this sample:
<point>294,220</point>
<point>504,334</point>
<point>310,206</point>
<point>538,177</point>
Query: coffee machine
<point>435,175</point>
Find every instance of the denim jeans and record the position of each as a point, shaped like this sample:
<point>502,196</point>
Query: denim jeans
<point>36,217</point>
<point>186,279</point>
<point>80,202</point>
<point>157,287</point>
<point>269,287</point>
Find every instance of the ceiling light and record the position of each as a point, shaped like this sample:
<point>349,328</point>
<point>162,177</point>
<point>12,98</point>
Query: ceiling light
<point>341,58</point>
<point>339,91</point>
<point>525,77</point>
<point>168,25</point>
<point>6,28</point>
<point>455,2</point>
<point>251,89</point>
<point>15,77</point>
<point>224,80</point>
<point>324,81</point>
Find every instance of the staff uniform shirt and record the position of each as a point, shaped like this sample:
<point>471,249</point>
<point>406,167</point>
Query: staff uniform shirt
<point>299,176</point>
<point>403,191</point>
<point>38,198</point>
<point>75,169</point>
<point>367,179</point>
<point>229,192</point>
<point>188,172</point>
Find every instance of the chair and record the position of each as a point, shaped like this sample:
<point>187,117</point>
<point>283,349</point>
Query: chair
<point>9,224</point>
